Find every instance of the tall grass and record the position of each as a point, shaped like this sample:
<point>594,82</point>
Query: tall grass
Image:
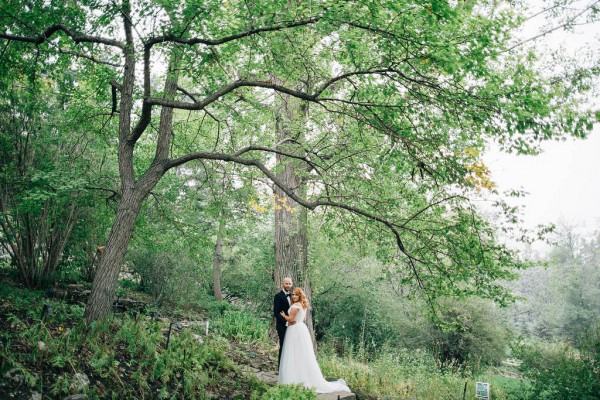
<point>404,374</point>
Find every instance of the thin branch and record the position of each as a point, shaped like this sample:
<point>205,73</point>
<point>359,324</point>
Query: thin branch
<point>188,94</point>
<point>282,89</point>
<point>114,192</point>
<point>568,22</point>
<point>91,58</point>
<point>77,38</point>
<point>114,87</point>
<point>274,151</point>
<point>5,48</point>
<point>349,74</point>
<point>543,11</point>
<point>215,42</point>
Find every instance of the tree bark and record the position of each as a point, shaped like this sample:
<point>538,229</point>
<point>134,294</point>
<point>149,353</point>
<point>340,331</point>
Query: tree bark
<point>291,236</point>
<point>133,192</point>
<point>101,298</point>
<point>218,257</point>
<point>291,250</point>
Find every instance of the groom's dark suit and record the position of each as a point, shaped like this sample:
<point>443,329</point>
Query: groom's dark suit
<point>280,303</point>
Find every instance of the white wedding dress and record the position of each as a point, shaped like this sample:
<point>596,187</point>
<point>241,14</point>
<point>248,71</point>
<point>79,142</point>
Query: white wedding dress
<point>298,362</point>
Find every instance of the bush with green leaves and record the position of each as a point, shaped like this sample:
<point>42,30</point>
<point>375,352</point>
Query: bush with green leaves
<point>560,299</point>
<point>169,276</point>
<point>403,374</point>
<point>286,392</point>
<point>351,302</point>
<point>557,371</point>
<point>469,334</point>
<point>243,326</point>
<point>50,159</point>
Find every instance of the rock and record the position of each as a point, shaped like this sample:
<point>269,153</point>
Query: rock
<point>199,338</point>
<point>270,378</point>
<point>249,370</point>
<point>36,396</point>
<point>336,396</point>
<point>177,326</point>
<point>12,375</point>
<point>78,396</point>
<point>80,382</point>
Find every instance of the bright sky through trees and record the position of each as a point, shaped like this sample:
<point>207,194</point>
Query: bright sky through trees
<point>563,181</point>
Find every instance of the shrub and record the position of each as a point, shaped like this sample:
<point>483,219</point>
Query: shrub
<point>470,334</point>
<point>168,277</point>
<point>558,371</point>
<point>241,326</point>
<point>286,392</point>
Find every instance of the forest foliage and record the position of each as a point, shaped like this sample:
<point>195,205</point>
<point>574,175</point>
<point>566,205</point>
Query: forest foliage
<point>135,134</point>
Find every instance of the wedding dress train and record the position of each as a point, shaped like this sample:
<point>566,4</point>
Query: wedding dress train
<point>298,361</point>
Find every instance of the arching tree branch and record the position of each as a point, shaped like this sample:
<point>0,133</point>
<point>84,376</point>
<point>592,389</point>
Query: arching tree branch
<point>267,172</point>
<point>51,30</point>
<point>215,42</point>
<point>225,90</point>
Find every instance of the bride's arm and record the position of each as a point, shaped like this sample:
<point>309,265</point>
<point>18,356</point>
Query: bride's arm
<point>292,315</point>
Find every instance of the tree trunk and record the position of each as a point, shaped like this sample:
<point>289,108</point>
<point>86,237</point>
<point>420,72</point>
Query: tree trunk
<point>291,239</point>
<point>59,236</point>
<point>218,257</point>
<point>291,250</point>
<point>105,281</point>
<point>133,192</point>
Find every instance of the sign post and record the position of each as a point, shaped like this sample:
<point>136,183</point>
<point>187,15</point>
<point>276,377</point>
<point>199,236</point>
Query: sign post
<point>482,390</point>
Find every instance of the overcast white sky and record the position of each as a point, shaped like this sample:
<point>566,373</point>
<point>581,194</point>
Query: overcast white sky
<point>564,181</point>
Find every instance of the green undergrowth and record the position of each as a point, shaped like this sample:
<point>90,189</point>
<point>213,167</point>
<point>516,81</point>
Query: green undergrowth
<point>128,357</point>
<point>124,357</point>
<point>285,392</point>
<point>559,371</point>
<point>406,374</point>
<point>242,326</point>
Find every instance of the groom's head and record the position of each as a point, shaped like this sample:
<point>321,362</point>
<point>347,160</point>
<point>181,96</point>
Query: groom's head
<point>287,283</point>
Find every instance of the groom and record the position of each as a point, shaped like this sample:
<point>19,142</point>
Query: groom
<point>282,302</point>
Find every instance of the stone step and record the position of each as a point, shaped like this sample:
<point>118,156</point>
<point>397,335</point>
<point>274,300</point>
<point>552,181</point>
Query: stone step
<point>337,396</point>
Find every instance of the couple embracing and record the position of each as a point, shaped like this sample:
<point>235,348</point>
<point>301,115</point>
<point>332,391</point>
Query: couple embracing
<point>297,361</point>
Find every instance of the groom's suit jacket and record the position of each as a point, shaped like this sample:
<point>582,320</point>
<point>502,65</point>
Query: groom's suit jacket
<point>280,303</point>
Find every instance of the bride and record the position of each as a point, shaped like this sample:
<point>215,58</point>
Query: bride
<point>298,361</point>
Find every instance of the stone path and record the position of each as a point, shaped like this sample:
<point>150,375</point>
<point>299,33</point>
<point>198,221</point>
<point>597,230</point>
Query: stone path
<point>270,378</point>
<point>337,396</point>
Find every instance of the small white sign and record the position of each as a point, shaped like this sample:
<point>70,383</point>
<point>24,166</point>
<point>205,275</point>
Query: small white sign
<point>482,390</point>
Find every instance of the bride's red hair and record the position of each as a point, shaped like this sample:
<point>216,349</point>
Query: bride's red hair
<point>301,297</point>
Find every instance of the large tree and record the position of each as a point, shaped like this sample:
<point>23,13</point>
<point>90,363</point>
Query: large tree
<point>405,95</point>
<point>291,236</point>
